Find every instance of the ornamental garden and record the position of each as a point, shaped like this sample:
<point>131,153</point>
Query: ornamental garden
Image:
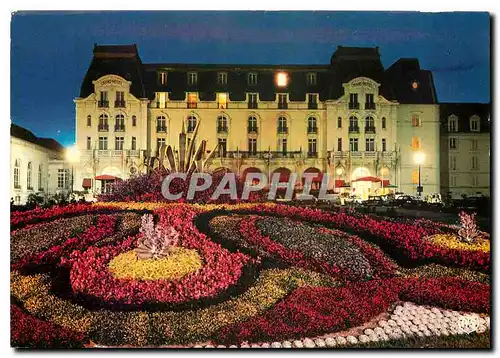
<point>133,271</point>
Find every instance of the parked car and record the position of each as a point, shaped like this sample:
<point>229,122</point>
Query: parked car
<point>374,201</point>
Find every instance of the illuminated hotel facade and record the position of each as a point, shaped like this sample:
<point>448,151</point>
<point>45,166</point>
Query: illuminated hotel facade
<point>351,118</point>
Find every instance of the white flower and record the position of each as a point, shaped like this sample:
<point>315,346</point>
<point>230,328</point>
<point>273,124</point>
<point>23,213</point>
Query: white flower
<point>286,344</point>
<point>373,337</point>
<point>276,345</point>
<point>368,331</point>
<point>379,331</point>
<point>330,342</point>
<point>209,346</point>
<point>352,339</point>
<point>320,342</point>
<point>265,345</point>
<point>233,346</point>
<point>382,323</point>
<point>245,345</point>
<point>309,343</point>
<point>221,346</point>
<point>364,338</point>
<point>255,345</point>
<point>392,323</point>
<point>298,344</point>
<point>341,340</point>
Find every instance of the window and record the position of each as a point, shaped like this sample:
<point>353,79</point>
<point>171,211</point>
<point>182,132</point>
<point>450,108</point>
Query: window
<point>159,143</point>
<point>339,122</point>
<point>284,143</point>
<point>17,174</point>
<point>103,122</point>
<point>119,143</point>
<point>453,143</point>
<point>222,78</point>
<point>369,103</point>
<point>30,177</point>
<point>133,145</point>
<point>473,144</point>
<point>311,79</point>
<point>252,146</point>
<point>415,121</point>
<point>282,101</point>
<point>414,176</point>
<point>415,143</point>
<point>191,123</point>
<point>353,144</point>
<point>384,124</point>
<point>311,125</point>
<point>452,124</point>
<point>281,79</point>
<point>103,143</point>
<point>252,79</point>
<point>282,125</point>
<point>222,124</point>
<point>311,147</point>
<point>192,78</point>
<point>89,121</point>
<point>312,101</point>
<point>475,163</point>
<point>222,100</point>
<point>192,99</point>
<point>474,124</point>
<point>61,178</point>
<point>370,145</point>
<point>353,101</point>
<point>103,100</point>
<point>120,100</point>
<point>339,144</point>
<point>252,124</point>
<point>384,145</point>
<point>453,181</point>
<point>89,143</point>
<point>161,124</point>
<point>134,121</point>
<point>369,125</point>
<point>453,162</point>
<point>40,177</point>
<point>162,78</point>
<point>475,180</point>
<point>353,124</point>
<point>161,99</point>
<point>119,123</point>
<point>222,146</point>
<point>252,100</point>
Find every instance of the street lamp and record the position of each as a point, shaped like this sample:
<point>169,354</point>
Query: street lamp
<point>339,172</point>
<point>72,156</point>
<point>419,159</point>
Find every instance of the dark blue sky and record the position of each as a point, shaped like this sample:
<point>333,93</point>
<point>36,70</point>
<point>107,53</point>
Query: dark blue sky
<point>51,51</point>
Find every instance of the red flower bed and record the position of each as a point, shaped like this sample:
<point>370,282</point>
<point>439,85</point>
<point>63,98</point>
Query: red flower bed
<point>89,270</point>
<point>315,311</point>
<point>407,238</point>
<point>28,331</point>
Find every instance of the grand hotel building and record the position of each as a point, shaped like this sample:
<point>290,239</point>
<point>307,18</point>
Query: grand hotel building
<point>350,118</point>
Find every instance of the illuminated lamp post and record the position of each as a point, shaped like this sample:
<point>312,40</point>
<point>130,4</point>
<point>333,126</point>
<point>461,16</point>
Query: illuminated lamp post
<point>72,156</point>
<point>339,172</point>
<point>419,159</point>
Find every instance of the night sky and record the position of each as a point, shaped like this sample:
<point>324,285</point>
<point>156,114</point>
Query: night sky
<point>52,51</point>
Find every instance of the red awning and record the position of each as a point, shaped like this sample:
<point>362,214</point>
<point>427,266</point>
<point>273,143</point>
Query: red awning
<point>87,183</point>
<point>372,179</point>
<point>106,177</point>
<point>339,183</point>
<point>385,183</point>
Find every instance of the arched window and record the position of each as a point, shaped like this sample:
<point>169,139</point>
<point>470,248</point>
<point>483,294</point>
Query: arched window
<point>191,123</point>
<point>474,123</point>
<point>29,182</point>
<point>353,124</point>
<point>282,126</point>
<point>252,124</point>
<point>161,124</point>
<point>312,125</point>
<point>119,122</point>
<point>384,124</point>
<point>369,124</point>
<point>103,122</point>
<point>17,174</point>
<point>40,177</point>
<point>222,124</point>
<point>89,120</point>
<point>134,121</point>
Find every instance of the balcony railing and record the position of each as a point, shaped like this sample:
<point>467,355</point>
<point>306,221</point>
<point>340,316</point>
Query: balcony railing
<point>370,129</point>
<point>353,105</point>
<point>119,128</point>
<point>263,155</point>
<point>312,105</point>
<point>161,129</point>
<point>222,129</point>
<point>252,105</point>
<point>133,153</point>
<point>370,106</point>
<point>103,127</point>
<point>312,130</point>
<point>353,129</point>
<point>119,104</point>
<point>361,155</point>
<point>252,130</point>
<point>103,104</point>
<point>312,154</point>
<point>282,105</point>
<point>282,130</point>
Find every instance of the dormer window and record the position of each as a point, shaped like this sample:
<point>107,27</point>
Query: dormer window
<point>281,79</point>
<point>369,103</point>
<point>192,100</point>
<point>222,78</point>
<point>311,79</point>
<point>192,78</point>
<point>474,124</point>
<point>222,100</point>
<point>312,101</point>
<point>161,99</point>
<point>252,100</point>
<point>353,101</point>
<point>162,78</point>
<point>452,124</point>
<point>252,79</point>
